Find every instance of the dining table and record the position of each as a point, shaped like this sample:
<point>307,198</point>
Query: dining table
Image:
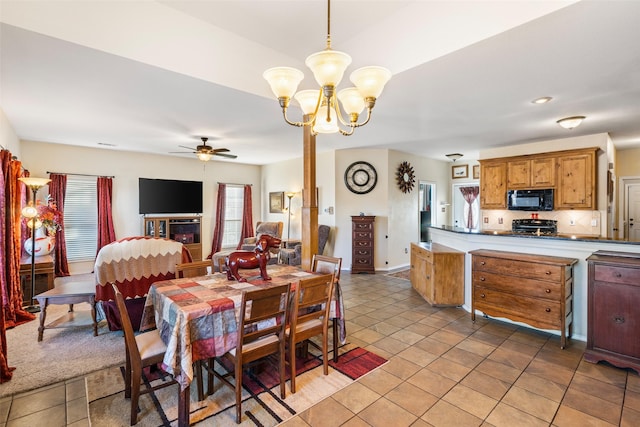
<point>197,318</point>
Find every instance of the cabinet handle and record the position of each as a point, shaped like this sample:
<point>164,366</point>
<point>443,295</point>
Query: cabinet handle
<point>618,274</point>
<point>548,310</point>
<point>482,279</point>
<point>482,295</point>
<point>618,319</point>
<point>482,263</point>
<point>428,277</point>
<point>548,291</point>
<point>547,273</point>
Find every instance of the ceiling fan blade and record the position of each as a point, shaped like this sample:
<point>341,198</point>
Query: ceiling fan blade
<point>229,156</point>
<point>220,150</point>
<point>188,148</point>
<point>182,152</point>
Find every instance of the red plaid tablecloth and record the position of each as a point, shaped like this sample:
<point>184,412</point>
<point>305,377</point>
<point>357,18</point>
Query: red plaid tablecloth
<point>197,316</point>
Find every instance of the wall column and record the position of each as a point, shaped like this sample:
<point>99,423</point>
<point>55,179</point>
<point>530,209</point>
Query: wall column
<point>309,199</point>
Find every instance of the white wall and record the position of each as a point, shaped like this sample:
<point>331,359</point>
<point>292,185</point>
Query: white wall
<point>127,167</point>
<point>8,138</point>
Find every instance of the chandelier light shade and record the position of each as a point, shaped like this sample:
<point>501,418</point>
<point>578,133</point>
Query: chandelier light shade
<point>454,156</point>
<point>324,107</point>
<point>571,122</point>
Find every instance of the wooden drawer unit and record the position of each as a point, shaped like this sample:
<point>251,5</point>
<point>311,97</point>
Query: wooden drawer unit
<point>362,240</point>
<point>532,289</point>
<point>437,273</point>
<point>613,315</point>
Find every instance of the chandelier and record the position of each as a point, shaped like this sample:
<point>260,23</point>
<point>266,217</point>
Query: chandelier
<point>321,107</point>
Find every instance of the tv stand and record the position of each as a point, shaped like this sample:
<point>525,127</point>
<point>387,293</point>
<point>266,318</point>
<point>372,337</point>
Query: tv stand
<point>184,229</point>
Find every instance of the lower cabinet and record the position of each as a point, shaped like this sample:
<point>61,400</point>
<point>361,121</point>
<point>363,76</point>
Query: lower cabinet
<point>533,289</point>
<point>437,273</point>
<point>613,315</point>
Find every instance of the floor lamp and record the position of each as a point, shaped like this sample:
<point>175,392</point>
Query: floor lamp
<point>30,212</point>
<point>289,195</point>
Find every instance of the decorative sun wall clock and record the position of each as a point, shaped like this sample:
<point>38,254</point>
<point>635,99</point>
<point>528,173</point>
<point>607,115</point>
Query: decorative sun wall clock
<point>405,177</point>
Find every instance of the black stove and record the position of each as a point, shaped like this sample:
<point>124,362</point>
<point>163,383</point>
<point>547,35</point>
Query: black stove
<point>544,227</point>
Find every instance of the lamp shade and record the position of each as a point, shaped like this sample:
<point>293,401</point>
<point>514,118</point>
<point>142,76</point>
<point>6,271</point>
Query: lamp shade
<point>308,100</point>
<point>29,211</point>
<point>205,157</point>
<point>328,66</point>
<point>351,100</point>
<point>324,126</point>
<point>33,182</point>
<point>284,81</point>
<point>370,81</point>
<point>571,122</point>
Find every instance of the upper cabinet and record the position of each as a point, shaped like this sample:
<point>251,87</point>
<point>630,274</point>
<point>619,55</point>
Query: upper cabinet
<point>531,173</point>
<point>571,173</point>
<point>493,179</point>
<point>577,179</point>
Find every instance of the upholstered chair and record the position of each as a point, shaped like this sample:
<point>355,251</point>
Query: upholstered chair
<point>294,256</point>
<point>271,228</point>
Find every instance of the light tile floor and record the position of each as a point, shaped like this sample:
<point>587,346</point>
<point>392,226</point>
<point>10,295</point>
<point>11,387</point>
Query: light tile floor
<point>443,370</point>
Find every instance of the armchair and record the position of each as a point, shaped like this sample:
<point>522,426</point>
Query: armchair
<point>294,256</point>
<point>271,228</point>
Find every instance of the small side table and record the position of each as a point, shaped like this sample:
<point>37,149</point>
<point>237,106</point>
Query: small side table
<point>44,271</point>
<point>68,293</point>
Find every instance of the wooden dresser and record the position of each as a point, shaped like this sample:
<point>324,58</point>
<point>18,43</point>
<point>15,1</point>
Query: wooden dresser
<point>362,260</point>
<point>613,333</point>
<point>533,289</point>
<point>437,273</point>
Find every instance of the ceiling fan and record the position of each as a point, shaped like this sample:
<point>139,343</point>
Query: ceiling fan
<point>204,151</point>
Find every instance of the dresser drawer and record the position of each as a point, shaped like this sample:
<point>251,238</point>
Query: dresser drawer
<point>362,235</point>
<point>362,244</point>
<point>533,311</point>
<point>361,252</point>
<point>519,268</point>
<point>617,274</point>
<point>362,261</point>
<point>521,286</point>
<point>362,226</point>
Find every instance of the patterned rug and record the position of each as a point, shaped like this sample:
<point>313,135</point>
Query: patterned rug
<point>261,406</point>
<point>404,274</point>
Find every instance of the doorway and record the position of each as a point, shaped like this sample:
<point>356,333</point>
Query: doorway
<point>631,210</point>
<point>466,206</point>
<point>426,207</point>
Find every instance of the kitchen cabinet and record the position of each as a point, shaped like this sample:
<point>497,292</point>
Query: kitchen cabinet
<point>533,289</point>
<point>437,273</point>
<point>181,229</point>
<point>576,187</point>
<point>362,260</point>
<point>493,180</point>
<point>613,318</point>
<point>531,173</point>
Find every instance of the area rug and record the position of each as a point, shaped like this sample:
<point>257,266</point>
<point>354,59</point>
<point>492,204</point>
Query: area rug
<point>403,274</point>
<point>64,353</point>
<point>261,406</point>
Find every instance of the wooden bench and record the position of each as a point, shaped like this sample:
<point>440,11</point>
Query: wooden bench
<point>68,293</point>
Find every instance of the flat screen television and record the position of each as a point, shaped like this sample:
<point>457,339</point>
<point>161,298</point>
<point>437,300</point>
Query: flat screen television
<point>169,196</point>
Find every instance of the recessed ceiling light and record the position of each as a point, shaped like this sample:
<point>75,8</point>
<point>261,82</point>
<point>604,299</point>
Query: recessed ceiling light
<point>542,100</point>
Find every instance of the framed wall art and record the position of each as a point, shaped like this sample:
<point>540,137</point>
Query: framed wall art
<point>476,171</point>
<point>460,171</point>
<point>276,202</point>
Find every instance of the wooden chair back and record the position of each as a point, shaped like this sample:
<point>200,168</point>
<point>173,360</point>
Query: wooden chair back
<point>133,353</point>
<point>327,264</point>
<point>193,269</point>
<point>312,301</point>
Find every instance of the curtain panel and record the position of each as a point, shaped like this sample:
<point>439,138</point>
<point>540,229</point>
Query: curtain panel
<point>58,191</point>
<point>106,231</point>
<point>218,231</point>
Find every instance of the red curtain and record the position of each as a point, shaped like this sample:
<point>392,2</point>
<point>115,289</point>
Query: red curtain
<point>470,194</point>
<point>218,231</point>
<point>247,216</point>
<point>12,197</point>
<point>58,191</point>
<point>106,231</point>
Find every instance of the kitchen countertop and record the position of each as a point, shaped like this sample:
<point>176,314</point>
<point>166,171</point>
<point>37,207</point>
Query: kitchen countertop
<point>560,236</point>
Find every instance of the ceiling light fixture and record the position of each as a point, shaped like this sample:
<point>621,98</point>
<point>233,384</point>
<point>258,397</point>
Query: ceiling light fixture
<point>320,107</point>
<point>204,156</point>
<point>454,156</point>
<point>571,122</point>
<point>542,100</point>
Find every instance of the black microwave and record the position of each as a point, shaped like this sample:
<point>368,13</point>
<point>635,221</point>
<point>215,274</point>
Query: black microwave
<point>530,200</point>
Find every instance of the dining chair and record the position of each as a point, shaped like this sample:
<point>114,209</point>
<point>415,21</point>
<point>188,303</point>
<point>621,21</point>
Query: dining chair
<point>263,317</point>
<point>142,350</point>
<point>193,269</point>
<point>309,318</point>
<point>329,264</point>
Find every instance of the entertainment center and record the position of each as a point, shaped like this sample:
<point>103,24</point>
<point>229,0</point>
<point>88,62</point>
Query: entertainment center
<point>185,229</point>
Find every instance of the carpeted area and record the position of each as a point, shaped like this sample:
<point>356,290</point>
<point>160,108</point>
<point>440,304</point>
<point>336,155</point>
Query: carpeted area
<point>403,274</point>
<point>261,405</point>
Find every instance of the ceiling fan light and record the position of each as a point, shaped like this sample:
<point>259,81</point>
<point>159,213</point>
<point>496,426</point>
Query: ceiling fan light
<point>571,122</point>
<point>322,125</point>
<point>284,81</point>
<point>328,66</point>
<point>351,100</point>
<point>205,157</point>
<point>454,156</point>
<point>308,100</point>
<point>370,81</point>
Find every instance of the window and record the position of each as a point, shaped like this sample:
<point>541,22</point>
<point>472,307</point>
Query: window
<point>234,202</point>
<point>81,218</point>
